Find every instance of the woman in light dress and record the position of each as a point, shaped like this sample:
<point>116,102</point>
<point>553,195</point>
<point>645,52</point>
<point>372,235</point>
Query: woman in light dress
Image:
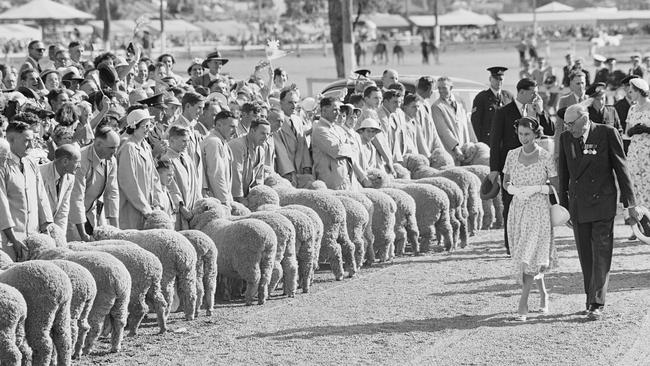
<point>527,171</point>
<point>638,156</point>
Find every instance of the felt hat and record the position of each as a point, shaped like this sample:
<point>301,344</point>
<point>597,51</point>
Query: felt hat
<point>362,72</point>
<point>489,188</point>
<point>47,72</point>
<point>70,73</point>
<point>635,56</point>
<point>626,80</point>
<point>136,116</point>
<point>642,228</point>
<point>214,56</point>
<point>610,60</point>
<point>596,90</point>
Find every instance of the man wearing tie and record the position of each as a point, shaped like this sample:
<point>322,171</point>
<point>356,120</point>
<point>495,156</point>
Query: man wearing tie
<point>590,158</point>
<point>95,193</point>
<point>487,102</point>
<point>450,118</point>
<point>294,133</point>
<point>24,207</point>
<point>186,188</point>
<point>58,178</point>
<point>503,136</point>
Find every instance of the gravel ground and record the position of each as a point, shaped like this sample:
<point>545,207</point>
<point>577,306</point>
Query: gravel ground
<point>436,309</point>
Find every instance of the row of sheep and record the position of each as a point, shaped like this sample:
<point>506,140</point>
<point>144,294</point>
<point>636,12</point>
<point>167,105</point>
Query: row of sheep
<point>58,303</point>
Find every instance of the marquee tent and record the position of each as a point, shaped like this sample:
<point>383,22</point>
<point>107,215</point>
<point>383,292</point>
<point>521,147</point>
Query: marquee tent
<point>459,17</point>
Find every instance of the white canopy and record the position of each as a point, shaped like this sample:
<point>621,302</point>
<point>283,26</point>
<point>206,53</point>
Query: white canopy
<point>554,6</point>
<point>455,18</point>
<point>19,32</point>
<point>383,20</point>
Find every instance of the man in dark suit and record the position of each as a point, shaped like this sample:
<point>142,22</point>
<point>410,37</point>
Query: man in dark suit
<point>590,156</point>
<point>487,102</point>
<point>636,68</point>
<point>503,136</point>
<point>599,112</point>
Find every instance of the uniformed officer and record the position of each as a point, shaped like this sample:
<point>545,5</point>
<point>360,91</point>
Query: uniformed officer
<point>598,111</point>
<point>601,72</point>
<point>487,102</point>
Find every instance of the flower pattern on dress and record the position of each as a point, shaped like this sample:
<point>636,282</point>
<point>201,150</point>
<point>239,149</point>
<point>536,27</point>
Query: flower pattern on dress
<point>530,233</point>
<point>638,155</point>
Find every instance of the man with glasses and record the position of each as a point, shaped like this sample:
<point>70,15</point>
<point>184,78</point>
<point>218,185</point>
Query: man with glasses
<point>35,52</point>
<point>589,155</point>
<point>503,135</point>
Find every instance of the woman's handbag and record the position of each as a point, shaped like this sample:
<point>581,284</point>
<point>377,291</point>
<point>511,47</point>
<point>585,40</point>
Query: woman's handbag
<point>559,215</point>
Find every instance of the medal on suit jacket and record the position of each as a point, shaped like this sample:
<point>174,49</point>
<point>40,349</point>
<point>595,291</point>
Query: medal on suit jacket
<point>590,149</point>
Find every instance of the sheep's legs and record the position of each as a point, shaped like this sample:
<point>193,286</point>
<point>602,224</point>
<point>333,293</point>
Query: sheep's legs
<point>137,310</point>
<point>400,242</point>
<point>82,327</point>
<point>210,285</point>
<point>290,268</point>
<point>61,335</point>
<point>118,315</point>
<point>187,289</point>
<point>101,308</point>
<point>200,291</point>
<point>9,352</point>
<point>156,298</point>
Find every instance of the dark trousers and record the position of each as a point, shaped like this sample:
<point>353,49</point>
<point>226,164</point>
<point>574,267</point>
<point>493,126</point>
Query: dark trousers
<point>506,198</point>
<point>595,243</point>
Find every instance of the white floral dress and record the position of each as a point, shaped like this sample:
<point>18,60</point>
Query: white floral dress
<point>530,232</point>
<point>638,155</point>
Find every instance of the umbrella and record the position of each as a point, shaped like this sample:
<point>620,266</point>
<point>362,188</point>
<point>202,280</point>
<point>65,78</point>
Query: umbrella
<point>44,10</point>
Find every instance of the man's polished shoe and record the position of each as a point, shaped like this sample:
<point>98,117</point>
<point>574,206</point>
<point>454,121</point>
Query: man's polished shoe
<point>595,314</point>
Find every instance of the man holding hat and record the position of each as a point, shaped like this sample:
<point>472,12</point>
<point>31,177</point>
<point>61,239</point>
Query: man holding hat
<point>622,106</point>
<point>598,111</point>
<point>487,102</point>
<point>591,162</point>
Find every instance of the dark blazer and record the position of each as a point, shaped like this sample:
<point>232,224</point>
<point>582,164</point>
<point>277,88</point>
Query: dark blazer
<point>483,109</point>
<point>622,108</point>
<point>503,136</point>
<point>587,187</point>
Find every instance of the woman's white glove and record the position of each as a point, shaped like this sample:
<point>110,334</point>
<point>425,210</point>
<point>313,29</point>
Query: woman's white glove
<point>512,189</point>
<point>545,189</point>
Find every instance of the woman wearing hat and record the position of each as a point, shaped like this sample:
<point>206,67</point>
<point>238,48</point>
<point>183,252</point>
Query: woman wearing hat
<point>51,79</point>
<point>195,71</point>
<point>136,172</point>
<point>530,235</point>
<point>638,124</point>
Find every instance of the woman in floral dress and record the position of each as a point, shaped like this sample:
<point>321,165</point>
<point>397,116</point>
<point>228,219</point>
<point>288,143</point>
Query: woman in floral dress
<point>526,172</point>
<point>638,157</point>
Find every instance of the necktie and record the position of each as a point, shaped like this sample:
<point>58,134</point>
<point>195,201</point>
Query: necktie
<point>22,166</point>
<point>523,110</point>
<point>58,186</point>
<point>453,105</point>
<point>183,161</point>
<point>581,140</point>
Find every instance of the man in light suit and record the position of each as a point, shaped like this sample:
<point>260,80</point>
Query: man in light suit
<point>95,194</point>
<point>24,207</point>
<point>450,118</point>
<point>503,136</point>
<point>217,158</point>
<point>294,135</point>
<point>427,136</point>
<point>58,178</point>
<point>391,120</point>
<point>248,159</point>
<point>186,187</point>
<point>591,162</point>
<point>332,153</point>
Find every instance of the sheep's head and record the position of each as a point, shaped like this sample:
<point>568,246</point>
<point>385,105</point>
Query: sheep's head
<point>205,204</point>
<point>238,209</point>
<point>38,243</point>
<point>262,195</point>
<point>378,178</point>
<point>213,213</point>
<point>158,220</point>
<point>275,180</point>
<point>58,234</point>
<point>5,260</point>
<point>413,162</point>
<point>401,172</point>
<point>440,158</point>
<point>105,232</point>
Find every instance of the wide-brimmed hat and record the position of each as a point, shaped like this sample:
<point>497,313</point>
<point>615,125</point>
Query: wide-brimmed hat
<point>369,123</point>
<point>640,84</point>
<point>489,188</point>
<point>214,56</point>
<point>136,116</point>
<point>642,228</point>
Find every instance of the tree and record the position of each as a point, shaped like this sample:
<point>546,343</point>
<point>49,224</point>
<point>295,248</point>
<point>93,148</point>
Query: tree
<point>335,13</point>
